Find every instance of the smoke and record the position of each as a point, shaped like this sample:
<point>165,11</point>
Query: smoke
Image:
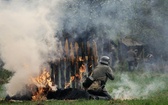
<point>28,38</point>
<point>140,87</point>
<point>149,25</point>
<point>145,21</point>
<point>100,18</point>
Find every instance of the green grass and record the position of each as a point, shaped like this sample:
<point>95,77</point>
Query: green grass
<point>90,102</point>
<point>61,102</point>
<point>145,88</point>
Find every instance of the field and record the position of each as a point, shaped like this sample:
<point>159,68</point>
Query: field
<point>128,88</point>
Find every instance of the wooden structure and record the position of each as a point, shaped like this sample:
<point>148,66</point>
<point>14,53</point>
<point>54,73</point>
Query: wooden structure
<point>124,44</point>
<point>78,61</point>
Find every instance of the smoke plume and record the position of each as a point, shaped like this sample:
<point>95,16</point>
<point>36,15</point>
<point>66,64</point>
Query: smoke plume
<point>27,39</point>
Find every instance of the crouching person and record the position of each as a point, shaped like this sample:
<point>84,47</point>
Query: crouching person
<point>95,83</point>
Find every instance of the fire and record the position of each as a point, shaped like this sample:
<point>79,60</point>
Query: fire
<point>68,84</point>
<point>82,69</point>
<point>39,95</point>
<point>79,75</point>
<point>80,59</point>
<point>43,84</point>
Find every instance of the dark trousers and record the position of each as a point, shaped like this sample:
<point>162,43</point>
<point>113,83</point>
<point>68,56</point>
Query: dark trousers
<point>100,94</point>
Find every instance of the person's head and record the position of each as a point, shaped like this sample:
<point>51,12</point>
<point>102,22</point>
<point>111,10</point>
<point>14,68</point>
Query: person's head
<point>105,60</point>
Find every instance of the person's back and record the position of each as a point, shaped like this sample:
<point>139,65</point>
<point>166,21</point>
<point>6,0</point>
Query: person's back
<point>100,75</point>
<point>103,72</point>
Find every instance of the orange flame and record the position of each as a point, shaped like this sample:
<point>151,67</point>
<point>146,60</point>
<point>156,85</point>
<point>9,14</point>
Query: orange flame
<point>80,59</point>
<point>79,75</point>
<point>82,69</point>
<point>44,84</point>
<point>68,84</point>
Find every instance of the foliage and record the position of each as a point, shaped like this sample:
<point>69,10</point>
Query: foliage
<point>4,75</point>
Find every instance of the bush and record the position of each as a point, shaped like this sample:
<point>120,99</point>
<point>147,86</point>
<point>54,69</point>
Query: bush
<point>4,75</point>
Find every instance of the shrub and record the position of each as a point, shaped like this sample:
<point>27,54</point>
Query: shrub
<point>4,75</point>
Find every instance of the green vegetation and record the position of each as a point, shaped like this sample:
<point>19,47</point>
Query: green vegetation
<point>4,76</point>
<point>63,102</point>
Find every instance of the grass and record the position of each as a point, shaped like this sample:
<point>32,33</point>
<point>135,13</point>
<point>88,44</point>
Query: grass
<point>145,88</point>
<point>153,101</point>
<point>61,102</point>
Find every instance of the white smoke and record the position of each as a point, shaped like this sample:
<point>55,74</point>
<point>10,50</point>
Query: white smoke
<point>27,38</point>
<point>134,89</point>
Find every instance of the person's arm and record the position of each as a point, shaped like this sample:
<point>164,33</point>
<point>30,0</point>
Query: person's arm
<point>110,74</point>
